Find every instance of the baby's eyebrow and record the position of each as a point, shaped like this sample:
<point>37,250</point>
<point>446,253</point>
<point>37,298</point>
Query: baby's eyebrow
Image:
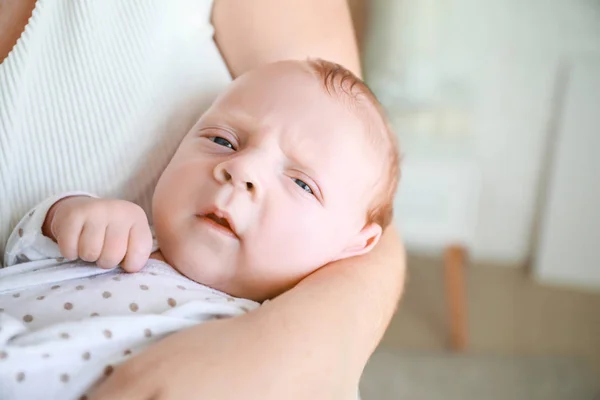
<point>243,120</point>
<point>303,166</point>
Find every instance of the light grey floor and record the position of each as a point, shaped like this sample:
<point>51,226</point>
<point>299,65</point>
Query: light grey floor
<point>526,340</point>
<point>404,375</point>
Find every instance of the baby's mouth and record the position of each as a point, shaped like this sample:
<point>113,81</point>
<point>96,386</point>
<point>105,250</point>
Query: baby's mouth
<point>221,221</point>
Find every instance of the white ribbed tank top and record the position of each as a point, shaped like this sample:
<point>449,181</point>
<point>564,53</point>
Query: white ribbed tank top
<point>96,95</point>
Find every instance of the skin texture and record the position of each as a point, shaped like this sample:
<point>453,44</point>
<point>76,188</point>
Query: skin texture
<point>294,352</point>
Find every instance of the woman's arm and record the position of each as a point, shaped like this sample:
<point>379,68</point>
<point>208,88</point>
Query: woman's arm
<point>252,33</point>
<point>314,340</point>
<point>337,316</point>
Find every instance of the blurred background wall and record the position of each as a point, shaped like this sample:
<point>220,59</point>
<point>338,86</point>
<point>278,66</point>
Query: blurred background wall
<point>483,82</point>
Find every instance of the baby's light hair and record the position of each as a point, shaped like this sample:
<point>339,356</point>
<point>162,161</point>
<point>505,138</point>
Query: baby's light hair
<point>341,82</point>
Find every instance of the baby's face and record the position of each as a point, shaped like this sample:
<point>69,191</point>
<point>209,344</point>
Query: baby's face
<point>273,181</point>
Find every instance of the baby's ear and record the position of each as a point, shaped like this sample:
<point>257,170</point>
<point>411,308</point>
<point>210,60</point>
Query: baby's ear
<point>363,242</point>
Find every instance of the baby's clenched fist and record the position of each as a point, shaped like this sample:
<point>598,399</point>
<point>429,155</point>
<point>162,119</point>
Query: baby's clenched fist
<point>108,232</point>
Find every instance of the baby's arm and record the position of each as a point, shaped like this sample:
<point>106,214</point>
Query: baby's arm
<point>104,231</point>
<point>26,242</point>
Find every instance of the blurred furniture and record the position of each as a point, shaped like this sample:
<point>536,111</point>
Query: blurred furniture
<point>436,211</point>
<point>454,270</point>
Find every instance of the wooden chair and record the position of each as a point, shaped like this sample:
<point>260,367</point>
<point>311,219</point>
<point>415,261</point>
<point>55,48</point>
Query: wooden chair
<point>454,271</point>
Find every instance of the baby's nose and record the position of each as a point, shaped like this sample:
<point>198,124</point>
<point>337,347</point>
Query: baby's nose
<point>239,177</point>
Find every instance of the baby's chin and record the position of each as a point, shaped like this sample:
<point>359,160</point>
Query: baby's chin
<point>225,276</point>
<point>225,269</point>
<point>201,268</point>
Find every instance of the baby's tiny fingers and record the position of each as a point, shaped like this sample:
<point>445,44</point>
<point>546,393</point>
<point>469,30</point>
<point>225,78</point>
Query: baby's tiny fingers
<point>115,246</point>
<point>67,236</point>
<point>91,241</point>
<point>138,248</point>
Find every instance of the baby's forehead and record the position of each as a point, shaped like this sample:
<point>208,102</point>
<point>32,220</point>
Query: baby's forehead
<point>347,155</point>
<point>306,97</point>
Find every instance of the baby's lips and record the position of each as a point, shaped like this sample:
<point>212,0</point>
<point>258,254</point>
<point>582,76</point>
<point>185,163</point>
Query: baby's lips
<point>224,214</point>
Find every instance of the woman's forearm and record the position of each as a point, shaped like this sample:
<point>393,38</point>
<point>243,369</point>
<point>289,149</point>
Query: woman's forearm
<point>336,317</point>
<point>252,33</point>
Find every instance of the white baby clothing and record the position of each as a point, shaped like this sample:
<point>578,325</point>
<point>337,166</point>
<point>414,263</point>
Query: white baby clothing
<point>97,95</point>
<point>65,325</point>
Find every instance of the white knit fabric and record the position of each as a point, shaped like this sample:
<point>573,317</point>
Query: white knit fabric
<point>96,95</point>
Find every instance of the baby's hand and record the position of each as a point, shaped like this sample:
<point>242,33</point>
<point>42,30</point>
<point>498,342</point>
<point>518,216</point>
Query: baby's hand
<point>107,232</point>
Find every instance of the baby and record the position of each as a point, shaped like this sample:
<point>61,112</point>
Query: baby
<point>293,167</point>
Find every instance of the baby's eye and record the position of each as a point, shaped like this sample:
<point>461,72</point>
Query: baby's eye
<point>221,142</point>
<point>303,185</point>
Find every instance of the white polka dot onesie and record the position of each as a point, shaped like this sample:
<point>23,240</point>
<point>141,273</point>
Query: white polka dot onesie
<point>64,326</point>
